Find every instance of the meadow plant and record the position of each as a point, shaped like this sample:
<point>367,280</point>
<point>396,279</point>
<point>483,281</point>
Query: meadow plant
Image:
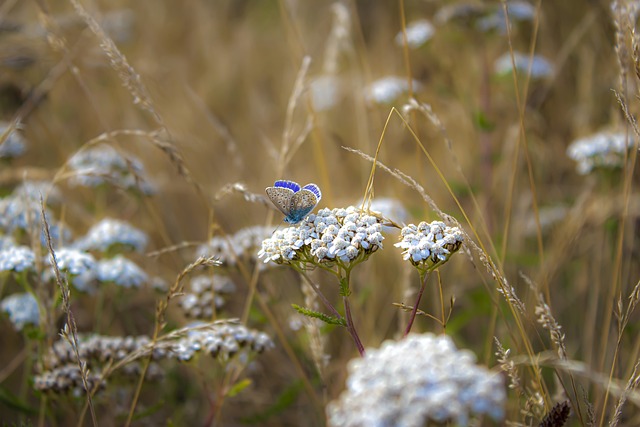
<point>121,271</point>
<point>427,246</point>
<point>335,240</point>
<point>388,90</point>
<point>415,381</point>
<point>602,150</point>
<point>102,164</point>
<point>12,144</point>
<point>96,300</point>
<point>206,295</point>
<point>22,309</point>
<point>417,33</point>
<point>537,66</point>
<point>112,235</point>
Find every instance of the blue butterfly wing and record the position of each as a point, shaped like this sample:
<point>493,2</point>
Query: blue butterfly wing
<point>291,185</point>
<point>302,203</point>
<point>315,190</point>
<point>281,198</point>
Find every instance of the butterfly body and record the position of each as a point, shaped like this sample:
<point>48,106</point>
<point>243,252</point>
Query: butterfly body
<point>293,201</point>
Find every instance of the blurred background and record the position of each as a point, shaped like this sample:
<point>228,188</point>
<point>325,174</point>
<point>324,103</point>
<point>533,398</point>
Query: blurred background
<point>208,94</point>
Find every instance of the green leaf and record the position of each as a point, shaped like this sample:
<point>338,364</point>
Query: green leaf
<point>282,402</point>
<point>11,400</point>
<point>238,387</point>
<point>331,320</point>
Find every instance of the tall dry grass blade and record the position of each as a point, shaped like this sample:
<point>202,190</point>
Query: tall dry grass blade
<point>70,329</point>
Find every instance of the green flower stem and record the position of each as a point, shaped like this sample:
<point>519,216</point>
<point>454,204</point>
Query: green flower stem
<point>424,275</point>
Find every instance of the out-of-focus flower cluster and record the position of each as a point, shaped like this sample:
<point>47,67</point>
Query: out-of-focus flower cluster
<point>429,244</point>
<point>343,235</point>
<point>22,310</point>
<point>60,372</point>
<point>388,89</point>
<point>223,340</point>
<point>538,66</point>
<point>110,234</point>
<point>103,164</point>
<point>13,145</point>
<point>414,381</point>
<point>418,33</point>
<point>244,244</point>
<point>205,293</point>
<point>602,150</point>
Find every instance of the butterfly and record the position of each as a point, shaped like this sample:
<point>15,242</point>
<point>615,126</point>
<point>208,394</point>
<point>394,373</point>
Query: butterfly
<point>294,202</point>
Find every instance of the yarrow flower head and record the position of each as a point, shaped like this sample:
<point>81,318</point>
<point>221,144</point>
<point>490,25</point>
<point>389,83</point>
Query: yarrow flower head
<point>74,261</point>
<point>13,146</point>
<point>103,164</point>
<point>219,340</point>
<point>539,66</point>
<point>17,258</point>
<point>602,150</point>
<point>111,234</point>
<point>388,89</point>
<point>22,310</point>
<point>338,235</point>
<point>418,33</point>
<point>121,271</point>
<point>21,213</point>
<point>34,190</point>
<point>429,244</point>
<point>244,244</point>
<point>205,293</point>
<point>414,381</point>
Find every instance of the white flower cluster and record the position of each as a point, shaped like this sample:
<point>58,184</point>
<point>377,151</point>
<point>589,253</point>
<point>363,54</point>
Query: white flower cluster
<point>13,145</point>
<point>121,271</point>
<point>110,233</point>
<point>604,149</point>
<point>60,369</point>
<point>103,164</point>
<point>34,190</point>
<point>221,340</point>
<point>84,272</point>
<point>388,89</point>
<point>418,33</point>
<point>539,66</point>
<point>22,310</point>
<point>20,213</point>
<point>330,235</point>
<point>429,243</point>
<point>205,292</point>
<point>414,381</point>
<point>245,244</point>
<point>17,258</point>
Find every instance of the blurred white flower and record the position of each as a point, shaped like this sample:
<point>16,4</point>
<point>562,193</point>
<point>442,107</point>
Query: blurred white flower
<point>110,233</point>
<point>121,271</point>
<point>17,258</point>
<point>415,381</point>
<point>13,146</point>
<point>22,310</point>
<point>601,150</point>
<point>540,66</point>
<point>325,92</point>
<point>388,89</point>
<point>418,33</point>
<point>103,164</point>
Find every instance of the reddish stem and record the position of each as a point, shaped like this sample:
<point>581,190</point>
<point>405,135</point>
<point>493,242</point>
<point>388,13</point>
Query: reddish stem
<point>415,306</point>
